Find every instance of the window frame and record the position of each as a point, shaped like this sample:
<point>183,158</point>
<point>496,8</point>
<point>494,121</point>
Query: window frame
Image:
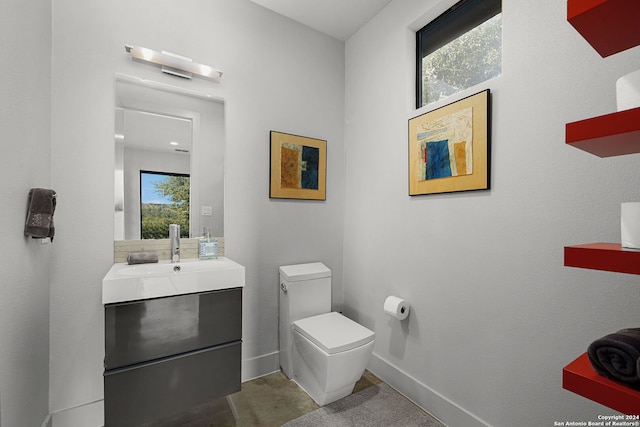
<point>462,17</point>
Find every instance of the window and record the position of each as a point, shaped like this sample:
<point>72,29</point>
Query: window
<point>459,49</point>
<point>164,200</point>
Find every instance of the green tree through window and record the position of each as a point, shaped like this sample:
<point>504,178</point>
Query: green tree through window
<point>467,61</point>
<point>164,200</point>
<point>459,49</point>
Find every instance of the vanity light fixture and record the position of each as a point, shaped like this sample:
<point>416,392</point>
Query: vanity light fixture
<point>173,64</point>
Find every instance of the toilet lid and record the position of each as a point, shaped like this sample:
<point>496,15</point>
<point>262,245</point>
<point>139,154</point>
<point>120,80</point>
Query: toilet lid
<point>333,332</point>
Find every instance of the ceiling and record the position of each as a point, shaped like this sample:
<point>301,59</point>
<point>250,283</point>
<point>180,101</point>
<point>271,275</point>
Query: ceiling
<point>337,18</point>
<point>156,132</point>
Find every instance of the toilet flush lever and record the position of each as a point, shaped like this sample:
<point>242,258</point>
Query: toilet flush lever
<point>283,287</point>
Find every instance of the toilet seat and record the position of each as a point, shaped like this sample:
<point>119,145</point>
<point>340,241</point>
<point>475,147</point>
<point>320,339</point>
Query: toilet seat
<point>333,332</point>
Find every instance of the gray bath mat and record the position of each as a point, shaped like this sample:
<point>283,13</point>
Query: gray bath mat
<point>378,405</point>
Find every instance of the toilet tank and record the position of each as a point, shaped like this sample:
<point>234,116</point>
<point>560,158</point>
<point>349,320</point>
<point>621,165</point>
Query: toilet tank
<point>305,290</point>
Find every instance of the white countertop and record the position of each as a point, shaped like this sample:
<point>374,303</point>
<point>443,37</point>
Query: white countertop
<point>125,282</point>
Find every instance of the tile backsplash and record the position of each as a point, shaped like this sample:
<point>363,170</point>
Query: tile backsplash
<point>162,247</point>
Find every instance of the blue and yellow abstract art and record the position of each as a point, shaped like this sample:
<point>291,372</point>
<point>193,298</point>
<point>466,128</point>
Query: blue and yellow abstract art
<point>449,147</point>
<point>298,167</point>
<point>446,146</point>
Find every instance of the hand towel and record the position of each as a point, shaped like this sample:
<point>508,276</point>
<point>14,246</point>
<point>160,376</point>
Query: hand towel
<point>617,356</point>
<point>42,205</point>
<point>142,258</point>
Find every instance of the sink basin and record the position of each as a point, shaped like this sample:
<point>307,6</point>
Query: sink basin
<point>189,266</point>
<point>125,282</point>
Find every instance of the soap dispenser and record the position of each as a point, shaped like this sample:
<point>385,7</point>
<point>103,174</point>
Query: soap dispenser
<point>208,246</point>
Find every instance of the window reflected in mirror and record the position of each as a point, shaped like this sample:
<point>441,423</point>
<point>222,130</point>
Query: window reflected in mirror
<point>164,200</point>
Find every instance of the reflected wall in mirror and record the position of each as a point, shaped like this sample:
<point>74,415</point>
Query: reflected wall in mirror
<point>178,137</point>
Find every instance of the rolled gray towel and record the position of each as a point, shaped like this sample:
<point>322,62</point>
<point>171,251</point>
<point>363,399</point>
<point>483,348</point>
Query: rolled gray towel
<point>617,356</point>
<point>141,258</point>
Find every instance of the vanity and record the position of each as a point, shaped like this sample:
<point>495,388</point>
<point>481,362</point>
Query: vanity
<point>173,331</point>
<point>173,335</point>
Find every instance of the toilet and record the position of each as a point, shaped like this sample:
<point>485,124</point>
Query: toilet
<point>324,352</point>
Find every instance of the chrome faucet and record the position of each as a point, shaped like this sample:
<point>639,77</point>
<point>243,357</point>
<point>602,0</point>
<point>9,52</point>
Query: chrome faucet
<point>174,238</point>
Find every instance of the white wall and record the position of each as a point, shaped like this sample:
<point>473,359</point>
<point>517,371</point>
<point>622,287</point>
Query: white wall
<point>210,151</point>
<point>279,75</point>
<point>495,315</point>
<point>25,37</point>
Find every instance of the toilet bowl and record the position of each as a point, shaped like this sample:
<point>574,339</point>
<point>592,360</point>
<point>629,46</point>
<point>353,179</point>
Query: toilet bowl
<point>332,352</point>
<point>324,352</point>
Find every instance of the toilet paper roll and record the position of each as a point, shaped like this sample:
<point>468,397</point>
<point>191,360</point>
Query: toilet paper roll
<point>628,91</point>
<point>396,307</point>
<point>630,225</point>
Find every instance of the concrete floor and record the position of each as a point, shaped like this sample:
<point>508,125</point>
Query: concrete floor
<point>268,401</point>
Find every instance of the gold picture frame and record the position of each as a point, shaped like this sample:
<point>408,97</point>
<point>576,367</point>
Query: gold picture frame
<point>449,147</point>
<point>298,167</point>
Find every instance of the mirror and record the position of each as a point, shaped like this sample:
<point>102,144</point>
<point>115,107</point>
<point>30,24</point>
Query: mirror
<point>169,168</point>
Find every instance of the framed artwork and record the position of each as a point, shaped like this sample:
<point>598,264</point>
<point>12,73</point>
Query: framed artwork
<point>449,147</point>
<point>298,167</point>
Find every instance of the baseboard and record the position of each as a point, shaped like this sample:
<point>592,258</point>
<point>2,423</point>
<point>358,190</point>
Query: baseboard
<point>443,409</point>
<point>47,421</point>
<point>87,415</point>
<point>260,366</point>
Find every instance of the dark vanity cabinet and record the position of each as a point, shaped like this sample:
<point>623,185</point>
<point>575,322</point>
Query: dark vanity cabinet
<point>166,355</point>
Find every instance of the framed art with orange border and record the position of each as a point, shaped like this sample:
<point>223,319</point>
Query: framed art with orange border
<point>449,147</point>
<point>298,167</point>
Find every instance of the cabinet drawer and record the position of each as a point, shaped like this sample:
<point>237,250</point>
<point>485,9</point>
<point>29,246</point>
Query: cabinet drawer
<point>136,395</point>
<point>141,331</point>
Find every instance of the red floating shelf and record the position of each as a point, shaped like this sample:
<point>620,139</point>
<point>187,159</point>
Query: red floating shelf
<point>603,256</point>
<point>610,26</point>
<point>613,134</point>
<point>580,378</point>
